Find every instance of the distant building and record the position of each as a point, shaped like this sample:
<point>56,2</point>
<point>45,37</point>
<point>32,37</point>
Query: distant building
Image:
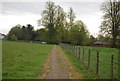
<point>2,36</point>
<point>100,44</point>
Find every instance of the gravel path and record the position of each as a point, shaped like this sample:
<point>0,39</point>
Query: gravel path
<point>57,65</point>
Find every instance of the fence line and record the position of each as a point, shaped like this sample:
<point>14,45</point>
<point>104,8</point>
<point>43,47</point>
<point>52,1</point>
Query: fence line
<point>80,53</point>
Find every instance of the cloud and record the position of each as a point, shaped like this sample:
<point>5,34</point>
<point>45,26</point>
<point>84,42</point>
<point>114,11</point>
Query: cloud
<point>29,12</point>
<point>16,8</point>
<point>9,21</point>
<point>53,0</point>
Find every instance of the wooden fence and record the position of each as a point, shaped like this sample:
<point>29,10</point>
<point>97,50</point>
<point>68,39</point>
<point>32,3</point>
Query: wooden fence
<point>78,52</point>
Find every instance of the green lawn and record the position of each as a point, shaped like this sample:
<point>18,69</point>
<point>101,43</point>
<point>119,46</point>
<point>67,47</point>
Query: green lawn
<point>104,66</point>
<point>23,60</point>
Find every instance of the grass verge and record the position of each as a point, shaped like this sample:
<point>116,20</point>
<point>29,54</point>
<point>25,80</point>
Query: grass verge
<point>104,65</point>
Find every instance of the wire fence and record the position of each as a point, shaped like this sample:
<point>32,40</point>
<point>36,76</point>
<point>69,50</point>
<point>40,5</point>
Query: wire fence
<point>100,60</point>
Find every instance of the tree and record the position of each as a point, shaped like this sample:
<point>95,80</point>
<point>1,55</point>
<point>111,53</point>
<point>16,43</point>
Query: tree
<point>15,31</point>
<point>27,32</point>
<point>48,20</point>
<point>111,24</point>
<point>92,38</point>
<point>13,37</point>
<point>41,34</point>
<point>79,33</point>
<point>57,29</point>
<point>71,16</point>
<point>60,23</point>
<point>104,38</point>
<point>22,32</point>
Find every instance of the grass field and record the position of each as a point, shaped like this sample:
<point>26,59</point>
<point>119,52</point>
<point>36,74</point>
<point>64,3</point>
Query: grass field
<point>23,60</point>
<point>104,65</point>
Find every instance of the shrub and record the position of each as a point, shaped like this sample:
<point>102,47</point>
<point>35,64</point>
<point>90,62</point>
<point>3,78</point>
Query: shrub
<point>13,37</point>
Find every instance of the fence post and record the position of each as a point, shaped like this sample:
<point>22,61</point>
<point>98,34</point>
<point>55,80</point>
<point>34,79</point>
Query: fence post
<point>89,53</point>
<point>83,57</point>
<point>70,48</point>
<point>79,53</point>
<point>97,65</point>
<point>112,66</point>
<point>74,50</point>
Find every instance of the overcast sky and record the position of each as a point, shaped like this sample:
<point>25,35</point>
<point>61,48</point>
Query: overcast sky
<point>13,13</point>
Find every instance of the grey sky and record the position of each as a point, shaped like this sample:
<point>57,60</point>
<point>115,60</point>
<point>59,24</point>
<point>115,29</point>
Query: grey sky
<point>80,8</point>
<point>17,8</point>
<point>88,12</point>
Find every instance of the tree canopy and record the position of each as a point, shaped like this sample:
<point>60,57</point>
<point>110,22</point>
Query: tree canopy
<point>56,29</point>
<point>79,33</point>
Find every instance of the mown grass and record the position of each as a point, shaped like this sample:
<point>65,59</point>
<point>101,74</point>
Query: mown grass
<point>104,64</point>
<point>23,60</point>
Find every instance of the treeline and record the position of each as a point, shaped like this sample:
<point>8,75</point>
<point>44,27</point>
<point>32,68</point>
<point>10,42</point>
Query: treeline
<point>27,33</point>
<point>59,26</point>
<point>22,33</point>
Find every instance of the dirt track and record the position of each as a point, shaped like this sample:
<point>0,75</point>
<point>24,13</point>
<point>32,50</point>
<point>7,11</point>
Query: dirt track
<point>56,64</point>
<point>60,67</point>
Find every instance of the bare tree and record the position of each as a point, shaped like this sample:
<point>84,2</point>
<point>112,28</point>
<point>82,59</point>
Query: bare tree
<point>111,23</point>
